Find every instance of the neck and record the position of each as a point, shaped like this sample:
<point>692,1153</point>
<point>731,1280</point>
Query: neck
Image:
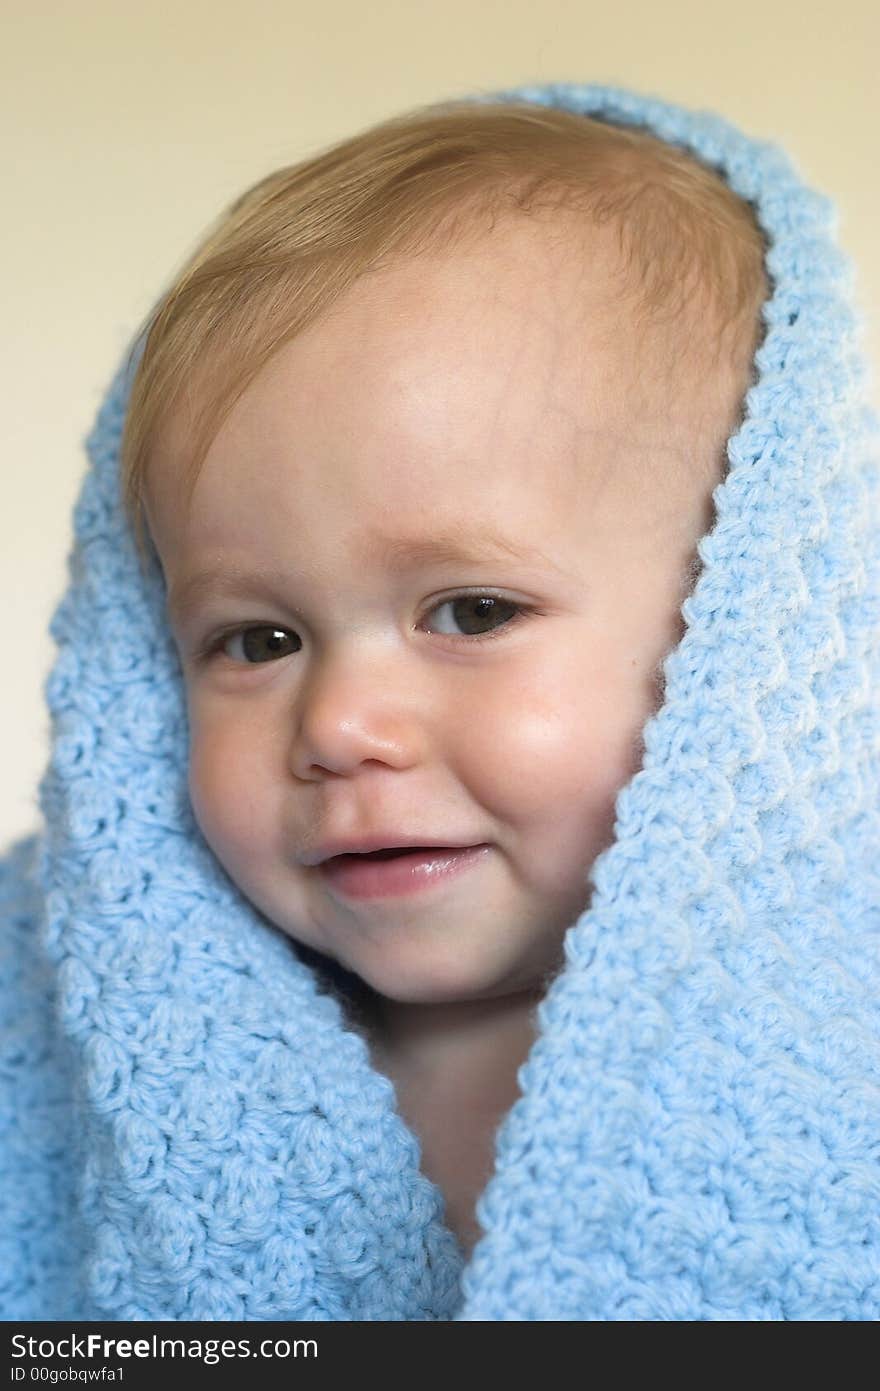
<point>482,1040</point>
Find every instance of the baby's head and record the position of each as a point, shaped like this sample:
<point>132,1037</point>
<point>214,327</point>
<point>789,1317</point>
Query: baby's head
<point>441,411</point>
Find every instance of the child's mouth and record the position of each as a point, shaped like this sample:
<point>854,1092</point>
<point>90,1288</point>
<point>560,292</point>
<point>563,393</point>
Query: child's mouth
<point>392,852</point>
<point>394,872</point>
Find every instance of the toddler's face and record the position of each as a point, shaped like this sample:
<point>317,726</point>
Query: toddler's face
<point>485,392</point>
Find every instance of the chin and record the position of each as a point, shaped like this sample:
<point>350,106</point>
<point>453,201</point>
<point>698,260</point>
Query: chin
<point>429,990</point>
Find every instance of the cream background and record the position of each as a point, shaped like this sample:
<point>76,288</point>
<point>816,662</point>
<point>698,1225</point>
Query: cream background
<point>126,128</point>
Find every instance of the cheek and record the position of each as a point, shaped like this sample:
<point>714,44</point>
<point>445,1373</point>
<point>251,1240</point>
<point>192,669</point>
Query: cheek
<point>229,794</point>
<point>558,742</point>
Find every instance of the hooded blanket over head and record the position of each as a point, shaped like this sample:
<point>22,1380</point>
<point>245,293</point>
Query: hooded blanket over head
<point>191,1128</point>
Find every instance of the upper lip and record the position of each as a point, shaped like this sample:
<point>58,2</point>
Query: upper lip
<point>364,844</point>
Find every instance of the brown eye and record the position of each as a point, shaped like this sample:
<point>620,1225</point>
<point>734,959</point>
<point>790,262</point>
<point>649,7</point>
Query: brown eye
<point>260,643</point>
<point>480,615</point>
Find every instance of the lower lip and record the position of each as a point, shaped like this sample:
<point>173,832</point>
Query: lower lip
<point>361,877</point>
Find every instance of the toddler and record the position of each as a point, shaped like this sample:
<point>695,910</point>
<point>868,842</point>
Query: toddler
<point>426,575</point>
<point>492,953</point>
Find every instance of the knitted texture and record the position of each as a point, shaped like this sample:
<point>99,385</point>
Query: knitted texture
<point>191,1127</point>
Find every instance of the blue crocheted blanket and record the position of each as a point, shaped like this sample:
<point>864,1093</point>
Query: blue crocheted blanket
<point>191,1129</point>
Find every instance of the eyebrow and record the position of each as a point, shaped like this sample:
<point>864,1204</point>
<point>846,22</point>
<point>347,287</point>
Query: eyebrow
<point>397,553</point>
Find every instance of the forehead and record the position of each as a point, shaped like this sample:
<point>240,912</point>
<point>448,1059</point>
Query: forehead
<point>481,383</point>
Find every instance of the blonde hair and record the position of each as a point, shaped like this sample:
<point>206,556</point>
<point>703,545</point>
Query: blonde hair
<point>416,183</point>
